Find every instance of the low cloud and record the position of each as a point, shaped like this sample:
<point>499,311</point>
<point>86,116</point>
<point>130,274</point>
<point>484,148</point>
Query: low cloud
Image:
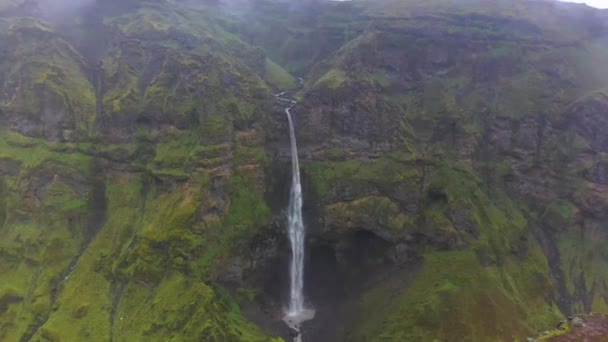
<point>63,7</point>
<point>592,3</point>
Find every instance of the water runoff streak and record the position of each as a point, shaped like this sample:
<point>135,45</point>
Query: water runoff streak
<point>296,313</point>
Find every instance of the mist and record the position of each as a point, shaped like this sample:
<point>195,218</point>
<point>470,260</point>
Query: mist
<point>59,8</point>
<point>592,3</point>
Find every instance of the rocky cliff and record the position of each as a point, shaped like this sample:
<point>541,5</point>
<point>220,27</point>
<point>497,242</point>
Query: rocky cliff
<point>453,158</point>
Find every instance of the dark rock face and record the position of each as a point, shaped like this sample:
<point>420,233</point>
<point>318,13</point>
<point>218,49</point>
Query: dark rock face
<point>580,328</point>
<point>598,174</point>
<point>24,126</point>
<point>455,179</point>
<point>590,119</point>
<point>9,167</point>
<point>56,119</point>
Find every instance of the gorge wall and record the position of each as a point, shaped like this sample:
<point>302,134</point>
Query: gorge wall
<point>453,160</point>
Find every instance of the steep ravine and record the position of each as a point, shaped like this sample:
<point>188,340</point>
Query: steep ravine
<point>453,167</point>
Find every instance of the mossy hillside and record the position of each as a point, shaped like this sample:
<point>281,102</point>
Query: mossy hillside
<point>523,72</point>
<point>175,225</point>
<point>86,299</point>
<point>179,206</point>
<point>32,154</point>
<point>496,285</point>
<point>45,74</point>
<point>441,95</point>
<point>296,36</point>
<point>192,200</point>
<point>156,295</point>
<point>451,105</point>
<point>277,76</point>
<point>179,150</point>
<point>173,239</point>
<point>181,70</point>
<point>581,256</point>
<point>46,224</point>
<point>534,17</point>
<point>380,214</point>
<point>498,288</point>
<point>144,237</point>
<point>454,297</point>
<point>384,172</point>
<point>180,302</point>
<point>150,230</point>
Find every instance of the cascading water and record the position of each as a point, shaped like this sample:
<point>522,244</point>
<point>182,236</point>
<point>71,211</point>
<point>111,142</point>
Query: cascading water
<point>296,230</point>
<point>296,312</point>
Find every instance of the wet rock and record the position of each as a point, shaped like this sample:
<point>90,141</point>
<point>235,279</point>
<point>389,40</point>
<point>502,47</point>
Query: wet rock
<point>233,273</point>
<point>461,217</point>
<point>9,167</point>
<point>264,248</point>
<point>400,254</point>
<point>588,328</point>
<point>577,322</point>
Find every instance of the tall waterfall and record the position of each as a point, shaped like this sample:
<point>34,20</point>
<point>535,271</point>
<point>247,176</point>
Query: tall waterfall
<point>295,230</point>
<point>296,312</point>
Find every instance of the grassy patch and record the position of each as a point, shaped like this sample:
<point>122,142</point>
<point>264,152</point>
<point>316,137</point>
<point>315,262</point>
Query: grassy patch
<point>278,77</point>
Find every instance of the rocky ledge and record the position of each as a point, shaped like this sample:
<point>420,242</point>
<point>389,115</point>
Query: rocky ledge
<point>588,328</point>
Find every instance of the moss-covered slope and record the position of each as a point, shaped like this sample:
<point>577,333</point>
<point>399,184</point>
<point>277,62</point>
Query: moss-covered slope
<point>139,156</point>
<point>131,169</point>
<point>462,135</point>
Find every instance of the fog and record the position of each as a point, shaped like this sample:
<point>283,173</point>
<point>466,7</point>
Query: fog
<point>593,3</point>
<point>62,7</point>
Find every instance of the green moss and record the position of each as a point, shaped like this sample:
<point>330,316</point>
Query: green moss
<point>190,311</point>
<point>381,80</point>
<point>215,129</point>
<point>581,254</point>
<point>51,75</point>
<point>559,215</point>
<point>247,215</point>
<point>278,77</point>
<point>498,288</point>
<point>144,238</point>
<point>248,209</point>
<point>385,172</point>
<point>454,298</point>
<point>333,79</point>
<point>368,213</point>
<point>59,196</point>
<point>177,152</point>
<point>33,153</point>
<point>250,155</point>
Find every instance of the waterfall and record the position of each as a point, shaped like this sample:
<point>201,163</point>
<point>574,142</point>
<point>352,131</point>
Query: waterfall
<point>296,313</point>
<point>295,230</point>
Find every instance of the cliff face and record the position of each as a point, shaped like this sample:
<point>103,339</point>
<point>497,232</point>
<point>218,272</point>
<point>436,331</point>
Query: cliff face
<point>467,139</point>
<point>454,166</point>
<point>131,165</point>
